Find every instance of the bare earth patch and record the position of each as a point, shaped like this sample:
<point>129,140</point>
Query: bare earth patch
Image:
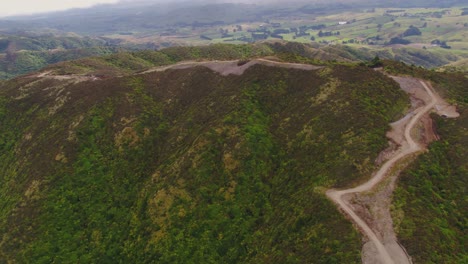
<point>76,78</point>
<point>232,67</point>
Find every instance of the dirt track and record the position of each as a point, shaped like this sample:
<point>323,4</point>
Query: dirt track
<point>392,251</point>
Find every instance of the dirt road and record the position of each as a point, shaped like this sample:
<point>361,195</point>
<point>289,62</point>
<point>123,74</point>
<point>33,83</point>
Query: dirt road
<point>408,147</point>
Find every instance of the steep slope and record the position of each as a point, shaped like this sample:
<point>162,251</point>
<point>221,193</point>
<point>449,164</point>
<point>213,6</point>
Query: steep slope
<point>187,165</point>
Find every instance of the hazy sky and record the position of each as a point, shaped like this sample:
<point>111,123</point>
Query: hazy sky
<point>14,7</point>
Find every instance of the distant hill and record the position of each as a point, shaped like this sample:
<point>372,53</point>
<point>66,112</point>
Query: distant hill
<point>25,52</point>
<point>26,61</point>
<point>108,19</point>
<point>423,33</point>
<point>147,15</point>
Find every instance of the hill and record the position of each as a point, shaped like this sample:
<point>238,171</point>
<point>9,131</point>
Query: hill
<point>103,161</point>
<point>22,53</point>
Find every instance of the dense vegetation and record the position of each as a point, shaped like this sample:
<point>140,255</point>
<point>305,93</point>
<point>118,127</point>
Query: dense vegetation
<point>43,42</point>
<point>29,61</point>
<point>188,166</point>
<point>430,201</point>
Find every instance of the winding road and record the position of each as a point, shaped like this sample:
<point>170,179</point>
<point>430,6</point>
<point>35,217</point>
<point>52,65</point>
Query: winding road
<point>408,147</point>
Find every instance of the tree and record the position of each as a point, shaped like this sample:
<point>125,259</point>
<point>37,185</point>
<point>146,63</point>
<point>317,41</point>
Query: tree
<point>397,40</point>
<point>375,62</point>
<point>412,31</point>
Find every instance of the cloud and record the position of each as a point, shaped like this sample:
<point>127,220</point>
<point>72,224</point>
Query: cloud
<point>16,7</point>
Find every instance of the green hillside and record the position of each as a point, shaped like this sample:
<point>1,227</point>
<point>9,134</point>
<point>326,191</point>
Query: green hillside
<point>28,52</point>
<point>188,166</point>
